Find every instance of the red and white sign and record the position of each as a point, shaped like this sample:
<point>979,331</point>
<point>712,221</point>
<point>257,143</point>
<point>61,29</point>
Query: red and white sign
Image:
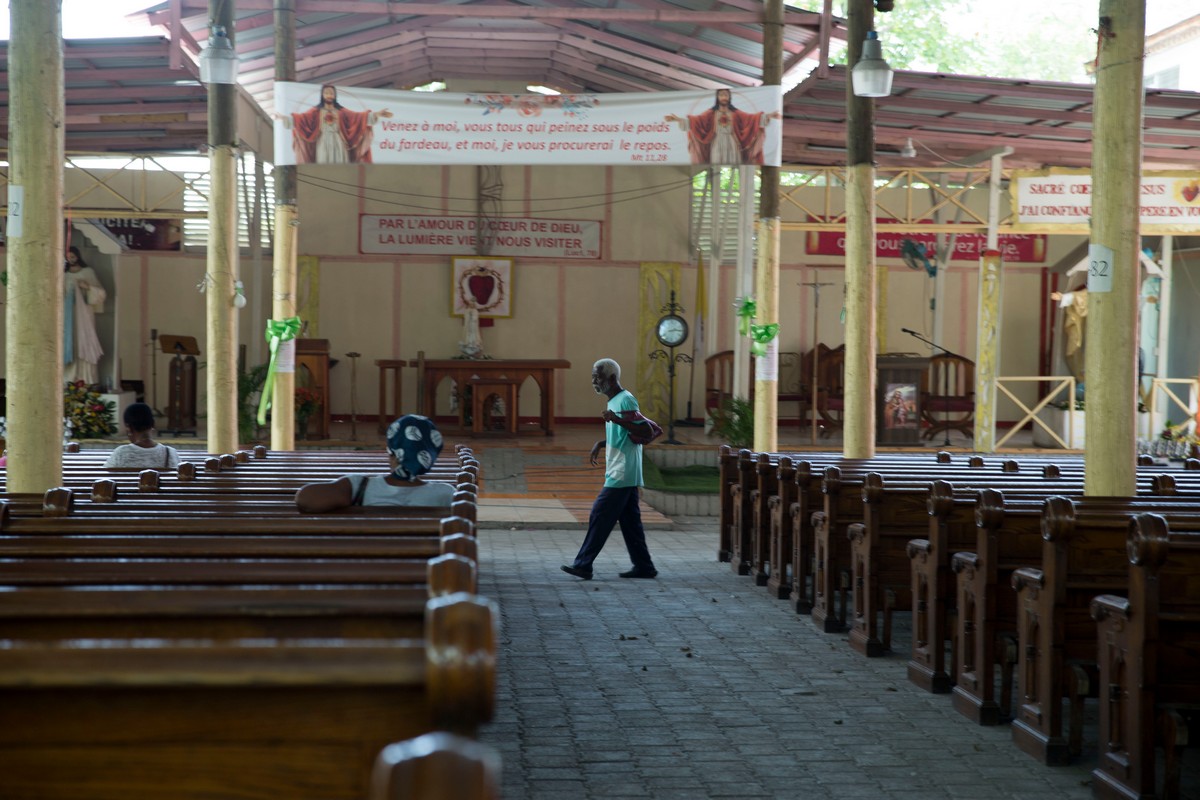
<point>1170,202</point>
<point>412,234</point>
<point>1015,248</point>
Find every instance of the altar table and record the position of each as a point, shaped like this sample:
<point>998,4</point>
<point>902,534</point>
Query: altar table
<point>430,373</point>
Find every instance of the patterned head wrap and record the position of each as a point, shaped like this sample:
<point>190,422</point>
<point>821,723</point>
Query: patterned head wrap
<point>415,443</point>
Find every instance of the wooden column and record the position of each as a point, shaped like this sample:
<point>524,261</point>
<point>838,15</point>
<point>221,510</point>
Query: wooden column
<point>859,420</point>
<point>987,355</point>
<point>34,319</point>
<point>766,288</point>
<point>283,289</point>
<point>988,327</point>
<point>1110,366</point>
<point>222,264</point>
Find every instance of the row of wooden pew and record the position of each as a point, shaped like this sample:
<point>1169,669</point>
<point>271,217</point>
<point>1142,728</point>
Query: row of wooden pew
<point>191,635</point>
<point>1027,598</point>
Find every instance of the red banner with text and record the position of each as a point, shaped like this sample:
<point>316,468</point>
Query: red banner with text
<point>1015,248</point>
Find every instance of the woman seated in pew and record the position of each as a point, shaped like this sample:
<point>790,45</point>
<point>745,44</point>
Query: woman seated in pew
<point>413,445</point>
<point>142,452</point>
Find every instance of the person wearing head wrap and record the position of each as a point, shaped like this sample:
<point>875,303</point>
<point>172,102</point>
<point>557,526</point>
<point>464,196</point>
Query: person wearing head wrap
<point>413,445</point>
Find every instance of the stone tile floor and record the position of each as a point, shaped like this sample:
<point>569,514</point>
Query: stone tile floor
<point>699,685</point>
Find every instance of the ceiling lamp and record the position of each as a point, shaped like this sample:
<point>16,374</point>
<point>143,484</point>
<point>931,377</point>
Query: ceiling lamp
<point>871,76</point>
<point>908,151</point>
<point>218,61</point>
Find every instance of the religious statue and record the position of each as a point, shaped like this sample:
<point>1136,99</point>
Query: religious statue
<point>1074,306</point>
<point>83,296</point>
<point>471,345</point>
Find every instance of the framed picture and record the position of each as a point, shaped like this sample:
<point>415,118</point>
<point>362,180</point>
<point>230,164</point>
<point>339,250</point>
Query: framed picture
<point>900,406</point>
<point>485,283</point>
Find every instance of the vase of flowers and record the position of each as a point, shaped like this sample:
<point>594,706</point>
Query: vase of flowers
<point>307,404</point>
<point>89,415</point>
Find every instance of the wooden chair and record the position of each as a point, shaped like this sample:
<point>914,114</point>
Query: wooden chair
<point>831,394</point>
<point>795,380</point>
<point>718,380</point>
<point>948,395</point>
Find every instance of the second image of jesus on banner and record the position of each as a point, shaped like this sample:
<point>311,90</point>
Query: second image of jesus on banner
<point>725,134</point>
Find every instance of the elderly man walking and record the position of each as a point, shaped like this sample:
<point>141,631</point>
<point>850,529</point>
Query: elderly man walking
<point>617,502</point>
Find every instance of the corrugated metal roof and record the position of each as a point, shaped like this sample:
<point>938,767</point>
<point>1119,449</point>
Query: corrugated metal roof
<point>589,46</point>
<point>952,117</point>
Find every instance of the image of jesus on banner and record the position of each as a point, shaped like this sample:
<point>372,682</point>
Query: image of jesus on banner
<point>725,134</point>
<point>329,133</point>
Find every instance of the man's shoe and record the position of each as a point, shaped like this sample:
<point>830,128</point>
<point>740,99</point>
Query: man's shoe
<point>639,573</point>
<point>586,574</point>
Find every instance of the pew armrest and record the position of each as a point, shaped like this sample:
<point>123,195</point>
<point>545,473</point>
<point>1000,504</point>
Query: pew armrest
<point>964,561</point>
<point>1028,577</point>
<point>918,547</point>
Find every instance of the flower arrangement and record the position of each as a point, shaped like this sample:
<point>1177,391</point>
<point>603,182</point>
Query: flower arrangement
<point>86,413</point>
<point>307,402</point>
<point>1179,433</point>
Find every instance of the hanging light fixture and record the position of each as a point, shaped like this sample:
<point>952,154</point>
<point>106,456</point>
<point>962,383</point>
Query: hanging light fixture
<point>239,295</point>
<point>872,77</point>
<point>908,151</point>
<point>218,61</point>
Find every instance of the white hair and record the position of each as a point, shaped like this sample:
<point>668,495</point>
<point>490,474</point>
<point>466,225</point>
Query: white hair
<point>608,369</point>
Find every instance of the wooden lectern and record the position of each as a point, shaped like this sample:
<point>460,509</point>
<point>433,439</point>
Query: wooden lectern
<point>312,371</point>
<point>898,404</point>
<point>181,403</point>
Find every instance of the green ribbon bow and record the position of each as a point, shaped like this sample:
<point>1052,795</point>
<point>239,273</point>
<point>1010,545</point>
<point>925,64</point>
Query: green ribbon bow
<point>760,337</point>
<point>745,313</point>
<point>278,331</point>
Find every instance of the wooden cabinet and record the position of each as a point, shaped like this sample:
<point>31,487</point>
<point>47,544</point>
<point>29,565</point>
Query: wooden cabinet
<point>312,371</point>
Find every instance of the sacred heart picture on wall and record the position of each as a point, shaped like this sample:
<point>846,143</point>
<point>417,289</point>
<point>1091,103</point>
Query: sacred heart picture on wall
<point>484,284</point>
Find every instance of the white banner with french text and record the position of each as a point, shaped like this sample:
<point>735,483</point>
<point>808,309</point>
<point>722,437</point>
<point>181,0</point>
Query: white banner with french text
<point>1170,201</point>
<point>414,234</point>
<point>328,124</point>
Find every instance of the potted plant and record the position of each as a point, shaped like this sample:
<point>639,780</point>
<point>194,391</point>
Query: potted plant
<point>733,422</point>
<point>307,403</point>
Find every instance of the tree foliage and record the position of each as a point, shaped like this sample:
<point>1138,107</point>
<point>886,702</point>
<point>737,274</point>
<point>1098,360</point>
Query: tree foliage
<point>953,36</point>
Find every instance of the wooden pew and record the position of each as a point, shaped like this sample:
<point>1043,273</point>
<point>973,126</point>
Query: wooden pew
<point>249,718</point>
<point>436,766</point>
<point>901,560</point>
<point>810,497</point>
<point>187,505</point>
<point>859,541</point>
<point>952,529</point>
<point>899,463</point>
<point>1149,657</point>
<point>1084,553</point>
<point>1008,538</point>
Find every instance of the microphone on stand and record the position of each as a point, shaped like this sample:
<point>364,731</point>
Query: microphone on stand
<point>906,330</point>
